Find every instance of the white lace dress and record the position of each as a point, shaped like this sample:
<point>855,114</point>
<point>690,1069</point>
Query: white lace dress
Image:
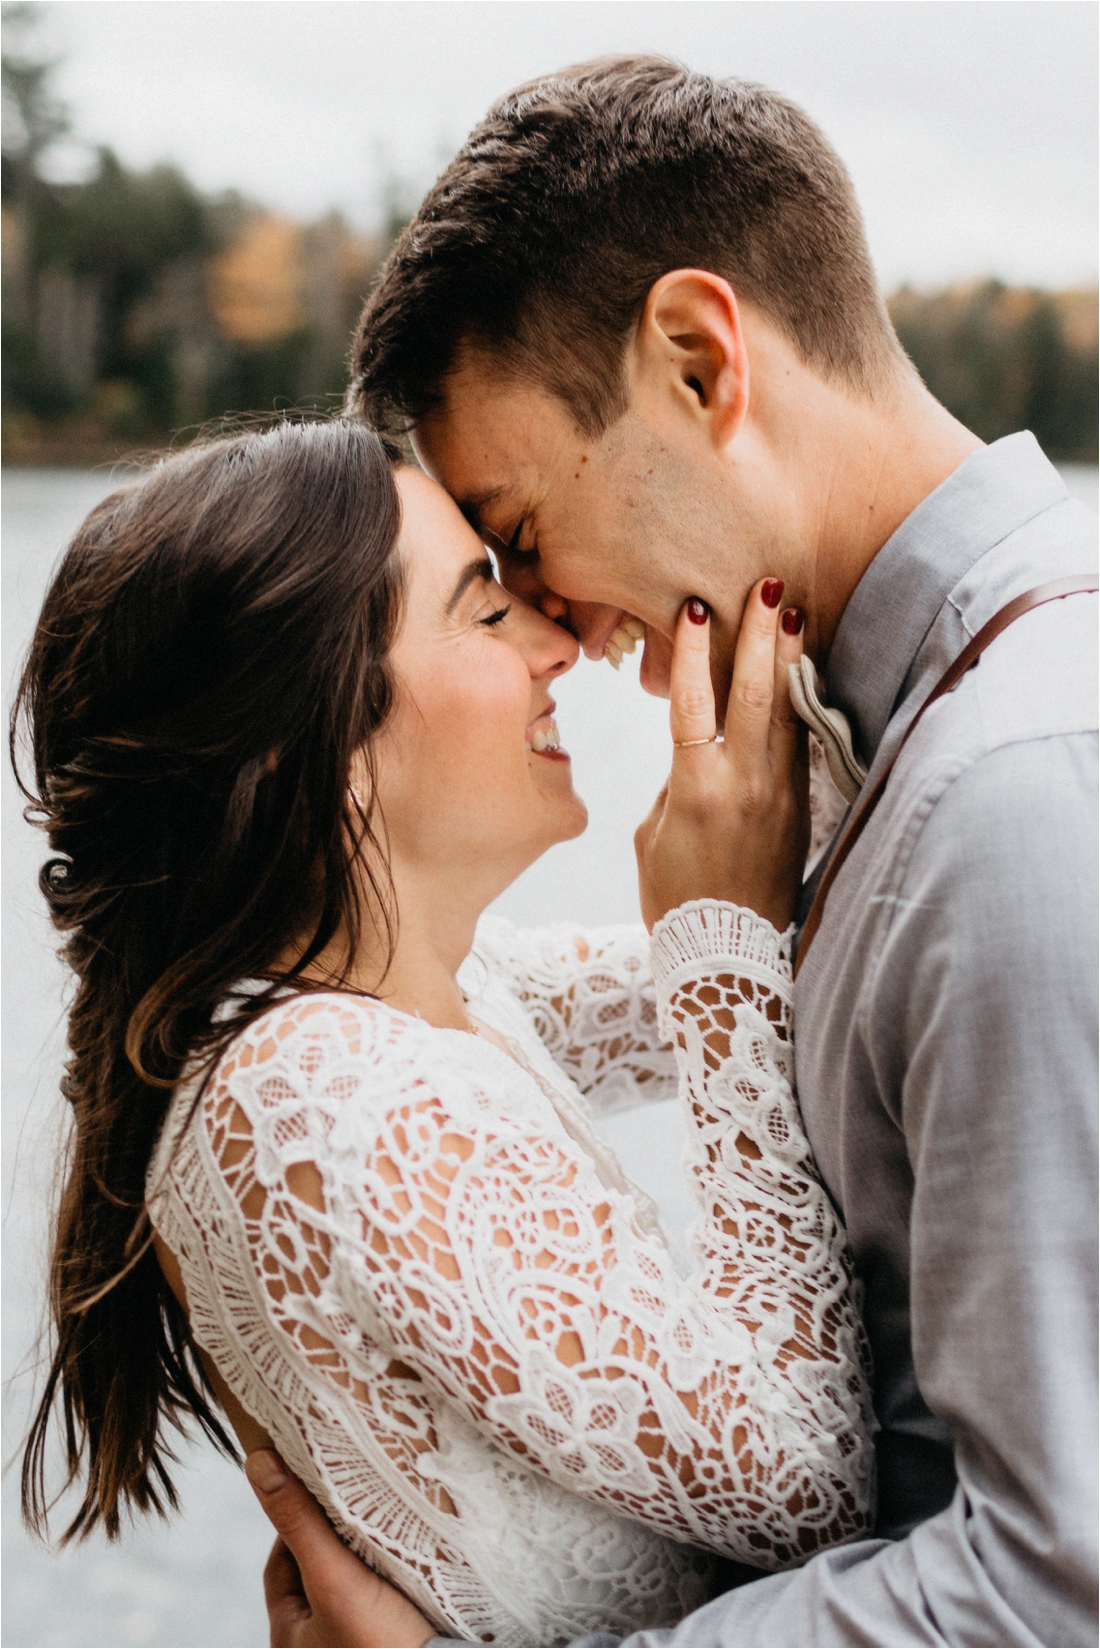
<point>414,1263</point>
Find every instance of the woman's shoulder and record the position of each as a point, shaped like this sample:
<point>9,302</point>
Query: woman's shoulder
<point>331,1079</point>
<point>316,1075</point>
<point>309,1053</point>
<point>350,1015</point>
<point>310,1036</point>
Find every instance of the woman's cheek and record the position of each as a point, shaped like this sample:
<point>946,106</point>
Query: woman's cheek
<point>457,738</point>
<point>480,727</point>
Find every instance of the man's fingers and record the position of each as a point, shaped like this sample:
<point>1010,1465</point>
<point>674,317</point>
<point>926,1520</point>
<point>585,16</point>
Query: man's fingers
<point>752,687</point>
<point>282,1577</point>
<point>317,1590</point>
<point>287,1504</point>
<point>691,712</point>
<point>284,1596</point>
<point>312,1542</point>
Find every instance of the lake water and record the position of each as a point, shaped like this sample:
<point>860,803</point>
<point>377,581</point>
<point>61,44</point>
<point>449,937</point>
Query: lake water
<point>196,1580</point>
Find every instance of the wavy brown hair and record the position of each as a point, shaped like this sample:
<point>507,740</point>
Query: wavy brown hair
<point>210,656</point>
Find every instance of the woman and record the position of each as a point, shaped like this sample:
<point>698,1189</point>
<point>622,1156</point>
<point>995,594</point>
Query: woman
<point>290,740</point>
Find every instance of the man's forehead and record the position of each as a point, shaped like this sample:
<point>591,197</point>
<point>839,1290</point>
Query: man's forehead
<point>482,472</point>
<point>473,475</point>
<point>491,432</point>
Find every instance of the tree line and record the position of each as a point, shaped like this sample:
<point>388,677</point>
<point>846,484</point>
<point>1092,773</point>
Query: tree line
<point>136,308</point>
<point>1004,358</point>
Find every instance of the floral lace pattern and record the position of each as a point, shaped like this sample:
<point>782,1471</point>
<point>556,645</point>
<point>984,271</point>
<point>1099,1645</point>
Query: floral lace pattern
<point>414,1264</point>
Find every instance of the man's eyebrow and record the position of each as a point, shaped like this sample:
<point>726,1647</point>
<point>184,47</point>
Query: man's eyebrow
<point>475,502</point>
<point>473,569</point>
<point>473,506</point>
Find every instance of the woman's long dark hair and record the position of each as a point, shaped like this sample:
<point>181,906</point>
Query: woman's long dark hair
<point>210,656</point>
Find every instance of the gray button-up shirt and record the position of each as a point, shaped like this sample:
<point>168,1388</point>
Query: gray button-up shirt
<point>945,1026</point>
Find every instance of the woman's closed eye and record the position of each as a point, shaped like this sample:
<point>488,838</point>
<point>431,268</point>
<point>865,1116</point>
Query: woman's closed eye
<point>492,606</point>
<point>477,597</point>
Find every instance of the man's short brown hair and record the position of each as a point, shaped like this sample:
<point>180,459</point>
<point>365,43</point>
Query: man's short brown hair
<point>539,243</point>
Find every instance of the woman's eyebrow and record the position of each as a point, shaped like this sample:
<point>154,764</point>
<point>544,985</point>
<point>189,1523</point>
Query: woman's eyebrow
<point>473,569</point>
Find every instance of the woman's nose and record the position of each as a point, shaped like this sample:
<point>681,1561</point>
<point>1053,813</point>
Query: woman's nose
<point>552,649</point>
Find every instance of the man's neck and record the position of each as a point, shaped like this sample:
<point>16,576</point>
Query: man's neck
<point>826,476</point>
<point>881,463</point>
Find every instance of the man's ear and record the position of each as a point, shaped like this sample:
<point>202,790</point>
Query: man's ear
<point>690,344</point>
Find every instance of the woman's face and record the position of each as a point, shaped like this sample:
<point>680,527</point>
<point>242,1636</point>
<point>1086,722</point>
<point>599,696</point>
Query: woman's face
<point>469,774</point>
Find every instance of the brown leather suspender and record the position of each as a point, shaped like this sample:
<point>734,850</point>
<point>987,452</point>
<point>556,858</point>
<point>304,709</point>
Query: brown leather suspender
<point>1056,591</point>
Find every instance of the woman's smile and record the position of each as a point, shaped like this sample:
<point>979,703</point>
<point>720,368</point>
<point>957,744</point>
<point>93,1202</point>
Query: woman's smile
<point>467,805</point>
<point>542,737</point>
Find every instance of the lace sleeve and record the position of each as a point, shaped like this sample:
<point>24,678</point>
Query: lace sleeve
<point>589,992</point>
<point>413,1205</point>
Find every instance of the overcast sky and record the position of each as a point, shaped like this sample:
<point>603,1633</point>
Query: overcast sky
<point>970,128</point>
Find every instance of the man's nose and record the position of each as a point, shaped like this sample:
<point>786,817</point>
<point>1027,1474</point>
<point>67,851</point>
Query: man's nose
<point>528,584</point>
<point>590,621</point>
<point>593,624</point>
<point>555,607</point>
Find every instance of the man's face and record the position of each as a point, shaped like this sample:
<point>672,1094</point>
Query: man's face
<point>589,530</point>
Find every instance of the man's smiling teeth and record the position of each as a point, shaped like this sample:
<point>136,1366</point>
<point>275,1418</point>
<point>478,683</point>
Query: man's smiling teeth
<point>623,640</point>
<point>544,738</point>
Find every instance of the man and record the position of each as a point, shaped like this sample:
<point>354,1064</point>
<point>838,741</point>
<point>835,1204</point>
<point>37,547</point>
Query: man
<point>634,330</point>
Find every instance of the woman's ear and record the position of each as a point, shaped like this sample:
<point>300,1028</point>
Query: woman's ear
<point>690,345</point>
<point>360,783</point>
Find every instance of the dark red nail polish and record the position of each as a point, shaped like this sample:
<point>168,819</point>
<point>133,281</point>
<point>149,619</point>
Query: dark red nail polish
<point>697,611</point>
<point>793,620</point>
<point>771,592</point>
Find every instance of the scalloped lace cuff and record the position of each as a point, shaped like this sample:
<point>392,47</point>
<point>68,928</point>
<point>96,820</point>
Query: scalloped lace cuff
<point>708,936</point>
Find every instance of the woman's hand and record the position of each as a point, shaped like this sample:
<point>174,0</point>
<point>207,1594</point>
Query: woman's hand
<point>733,820</point>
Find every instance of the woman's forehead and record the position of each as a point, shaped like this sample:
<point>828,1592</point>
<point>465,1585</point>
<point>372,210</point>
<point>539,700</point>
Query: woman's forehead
<point>436,542</point>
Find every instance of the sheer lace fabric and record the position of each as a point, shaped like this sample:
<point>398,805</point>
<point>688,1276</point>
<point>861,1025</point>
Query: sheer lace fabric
<point>414,1263</point>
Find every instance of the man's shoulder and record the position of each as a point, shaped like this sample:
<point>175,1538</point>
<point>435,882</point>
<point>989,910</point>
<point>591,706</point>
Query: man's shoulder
<point>1038,680</point>
<point>1002,790</point>
<point>1017,740</point>
<point>1011,753</point>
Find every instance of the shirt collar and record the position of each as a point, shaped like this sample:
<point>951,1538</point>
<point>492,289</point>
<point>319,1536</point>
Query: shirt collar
<point>992,493</point>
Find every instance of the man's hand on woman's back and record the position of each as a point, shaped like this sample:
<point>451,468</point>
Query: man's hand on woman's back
<point>318,1594</point>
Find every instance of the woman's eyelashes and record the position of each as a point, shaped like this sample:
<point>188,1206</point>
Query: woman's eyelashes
<point>493,607</point>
